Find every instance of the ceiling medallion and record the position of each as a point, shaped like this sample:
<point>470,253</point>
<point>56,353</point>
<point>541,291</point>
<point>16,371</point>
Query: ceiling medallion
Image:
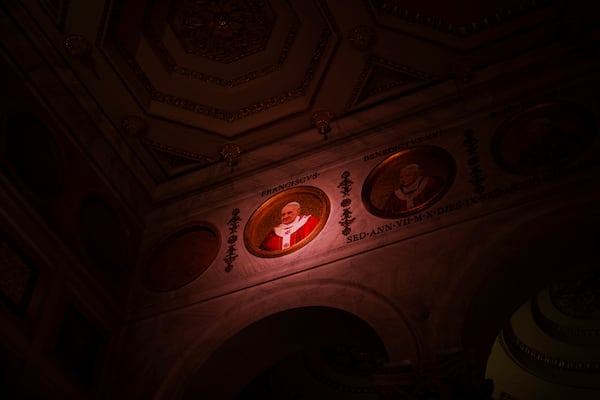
<point>321,120</point>
<point>222,31</point>
<point>231,153</point>
<point>361,37</point>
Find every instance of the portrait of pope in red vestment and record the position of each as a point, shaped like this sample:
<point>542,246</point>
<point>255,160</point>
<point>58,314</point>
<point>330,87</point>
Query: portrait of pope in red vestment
<point>294,227</point>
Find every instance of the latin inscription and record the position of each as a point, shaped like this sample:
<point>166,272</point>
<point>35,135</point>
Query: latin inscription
<point>402,146</point>
<point>466,203</point>
<point>287,185</point>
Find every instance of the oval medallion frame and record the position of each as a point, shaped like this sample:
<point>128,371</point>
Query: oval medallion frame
<point>313,201</point>
<point>543,137</point>
<point>436,167</point>
<point>166,252</point>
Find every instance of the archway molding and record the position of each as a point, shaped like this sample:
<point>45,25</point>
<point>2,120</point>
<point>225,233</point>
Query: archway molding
<point>350,305</point>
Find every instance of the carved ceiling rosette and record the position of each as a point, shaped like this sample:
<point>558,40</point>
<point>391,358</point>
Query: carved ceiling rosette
<point>223,31</point>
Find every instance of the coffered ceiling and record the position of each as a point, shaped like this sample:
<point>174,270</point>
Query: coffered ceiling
<point>179,79</point>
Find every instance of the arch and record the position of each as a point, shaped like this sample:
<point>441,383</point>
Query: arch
<point>524,258</point>
<point>353,306</point>
<point>270,340</point>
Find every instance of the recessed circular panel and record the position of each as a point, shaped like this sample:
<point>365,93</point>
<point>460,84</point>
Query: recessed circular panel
<point>269,233</point>
<point>408,182</point>
<point>543,137</point>
<point>102,235</point>
<point>33,154</point>
<point>182,257</point>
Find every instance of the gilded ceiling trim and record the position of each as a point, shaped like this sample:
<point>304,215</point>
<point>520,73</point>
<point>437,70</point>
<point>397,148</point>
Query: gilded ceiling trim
<point>167,60</point>
<point>229,116</point>
<point>393,8</point>
<point>382,62</point>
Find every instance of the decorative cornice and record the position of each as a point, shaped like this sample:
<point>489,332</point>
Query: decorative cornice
<point>395,9</point>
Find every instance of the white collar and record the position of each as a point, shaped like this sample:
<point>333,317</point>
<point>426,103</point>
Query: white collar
<point>408,193</point>
<point>285,230</point>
